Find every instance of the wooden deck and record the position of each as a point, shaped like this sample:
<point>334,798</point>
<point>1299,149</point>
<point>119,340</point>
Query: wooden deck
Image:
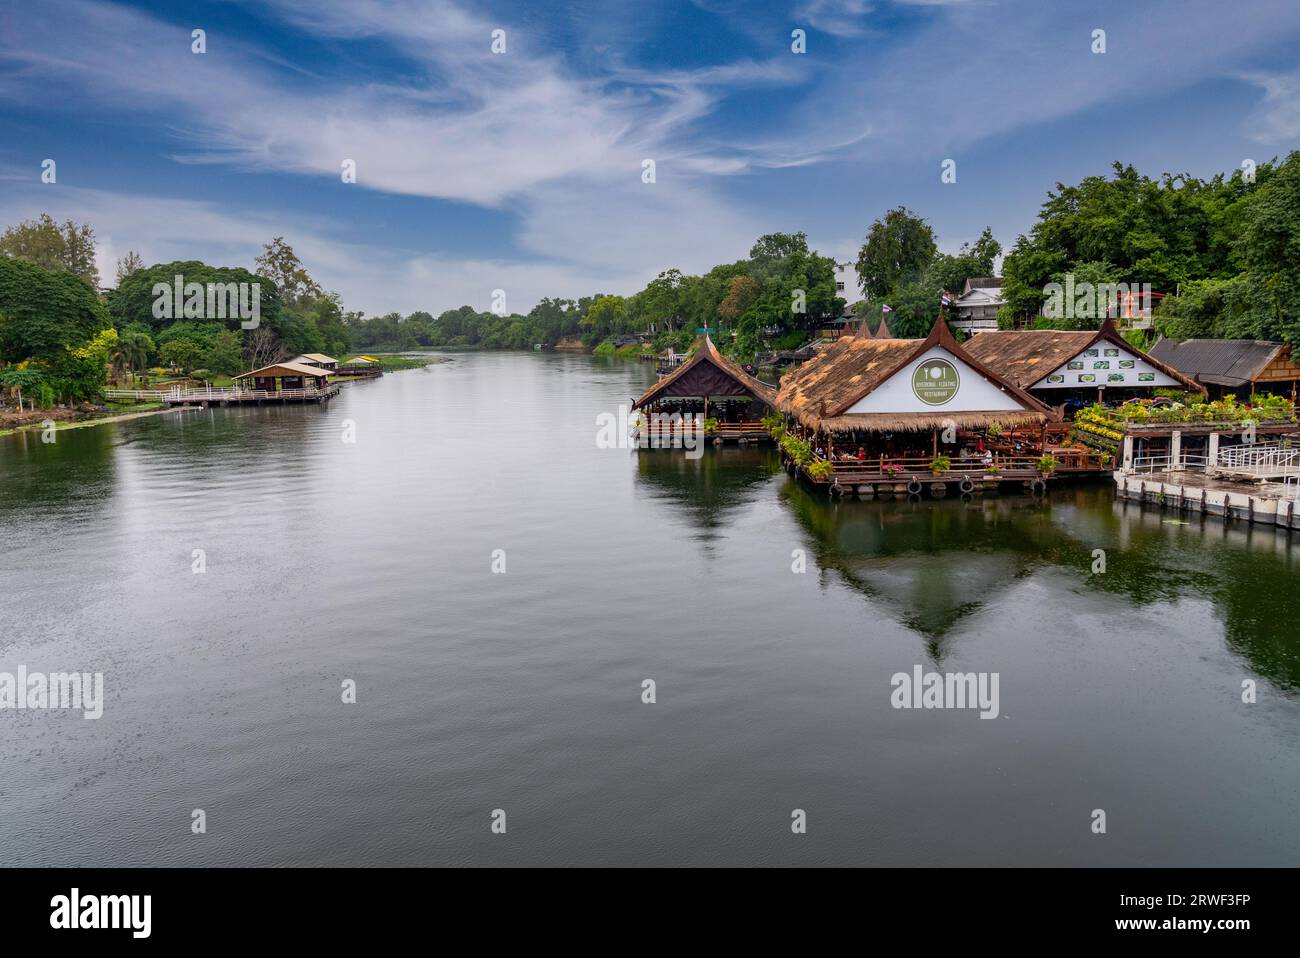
<point>869,478</point>
<point>223,397</point>
<point>736,431</point>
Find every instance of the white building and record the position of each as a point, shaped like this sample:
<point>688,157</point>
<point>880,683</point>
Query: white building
<point>846,285</point>
<point>976,309</point>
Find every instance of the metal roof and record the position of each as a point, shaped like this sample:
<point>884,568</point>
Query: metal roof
<point>1224,362</point>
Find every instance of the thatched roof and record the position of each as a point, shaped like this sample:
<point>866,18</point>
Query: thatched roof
<point>1024,356</point>
<point>698,367</point>
<point>820,392</point>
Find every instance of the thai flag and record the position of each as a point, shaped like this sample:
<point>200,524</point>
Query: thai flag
<point>886,308</point>
<point>946,300</point>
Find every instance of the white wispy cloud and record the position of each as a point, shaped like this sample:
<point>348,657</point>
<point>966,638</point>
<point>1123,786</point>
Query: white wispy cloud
<point>561,148</point>
<point>1277,118</point>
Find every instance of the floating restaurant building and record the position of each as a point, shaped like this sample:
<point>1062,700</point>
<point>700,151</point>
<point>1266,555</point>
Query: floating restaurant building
<point>1087,366</point>
<point>712,386</point>
<point>900,415</point>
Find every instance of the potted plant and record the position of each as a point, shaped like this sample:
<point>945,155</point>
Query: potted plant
<point>820,470</point>
<point>940,464</point>
<point>710,425</point>
<point>1046,465</point>
<point>892,469</point>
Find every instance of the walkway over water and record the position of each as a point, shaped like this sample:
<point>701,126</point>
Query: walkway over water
<point>222,397</point>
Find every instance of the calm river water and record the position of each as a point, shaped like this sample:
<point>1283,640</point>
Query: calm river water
<point>372,561</point>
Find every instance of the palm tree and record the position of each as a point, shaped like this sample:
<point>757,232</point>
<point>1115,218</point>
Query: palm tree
<point>132,351</point>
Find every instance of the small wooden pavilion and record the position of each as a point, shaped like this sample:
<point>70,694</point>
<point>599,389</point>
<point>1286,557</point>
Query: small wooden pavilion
<point>711,385</point>
<point>319,360</point>
<point>282,376</point>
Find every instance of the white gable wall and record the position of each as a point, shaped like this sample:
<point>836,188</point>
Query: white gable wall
<point>1106,365</point>
<point>974,392</point>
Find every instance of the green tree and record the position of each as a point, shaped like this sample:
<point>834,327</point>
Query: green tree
<point>607,316</point>
<point>279,263</point>
<point>1270,250</point>
<point>68,248</point>
<point>224,356</point>
<point>132,351</point>
<point>740,293</point>
<point>182,354</point>
<point>898,249</point>
<point>950,272</point>
<point>327,314</point>
<point>128,264</point>
<point>45,313</point>
<point>915,306</point>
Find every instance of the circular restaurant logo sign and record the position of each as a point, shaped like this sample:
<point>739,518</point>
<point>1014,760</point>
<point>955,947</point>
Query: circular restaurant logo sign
<point>935,382</point>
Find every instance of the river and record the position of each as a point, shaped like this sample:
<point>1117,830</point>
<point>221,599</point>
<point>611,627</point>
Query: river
<point>372,562</point>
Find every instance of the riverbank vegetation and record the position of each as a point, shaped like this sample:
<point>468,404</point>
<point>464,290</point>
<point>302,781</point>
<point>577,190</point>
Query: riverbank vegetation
<point>62,340</point>
<point>783,288</point>
<point>1223,250</point>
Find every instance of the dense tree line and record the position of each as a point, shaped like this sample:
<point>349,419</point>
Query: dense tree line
<point>774,297</point>
<point>60,338</point>
<point>1226,250</point>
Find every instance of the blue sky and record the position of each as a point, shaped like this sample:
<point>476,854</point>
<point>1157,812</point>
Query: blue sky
<point>522,170</point>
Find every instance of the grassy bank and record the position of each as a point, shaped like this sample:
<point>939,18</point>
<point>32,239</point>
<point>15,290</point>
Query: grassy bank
<point>630,351</point>
<point>396,361</point>
<point>114,413</point>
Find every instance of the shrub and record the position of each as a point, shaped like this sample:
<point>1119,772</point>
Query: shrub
<point>940,464</point>
<point>821,469</point>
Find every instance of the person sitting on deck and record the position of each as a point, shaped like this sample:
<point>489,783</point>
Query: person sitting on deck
<point>862,454</point>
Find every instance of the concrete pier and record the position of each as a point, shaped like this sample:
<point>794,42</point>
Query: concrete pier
<point>1194,492</point>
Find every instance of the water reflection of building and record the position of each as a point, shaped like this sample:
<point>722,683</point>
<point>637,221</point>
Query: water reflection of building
<point>932,566</point>
<point>709,488</point>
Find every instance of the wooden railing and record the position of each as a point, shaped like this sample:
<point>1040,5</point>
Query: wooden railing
<point>874,470</point>
<point>731,429</point>
<point>215,395</point>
